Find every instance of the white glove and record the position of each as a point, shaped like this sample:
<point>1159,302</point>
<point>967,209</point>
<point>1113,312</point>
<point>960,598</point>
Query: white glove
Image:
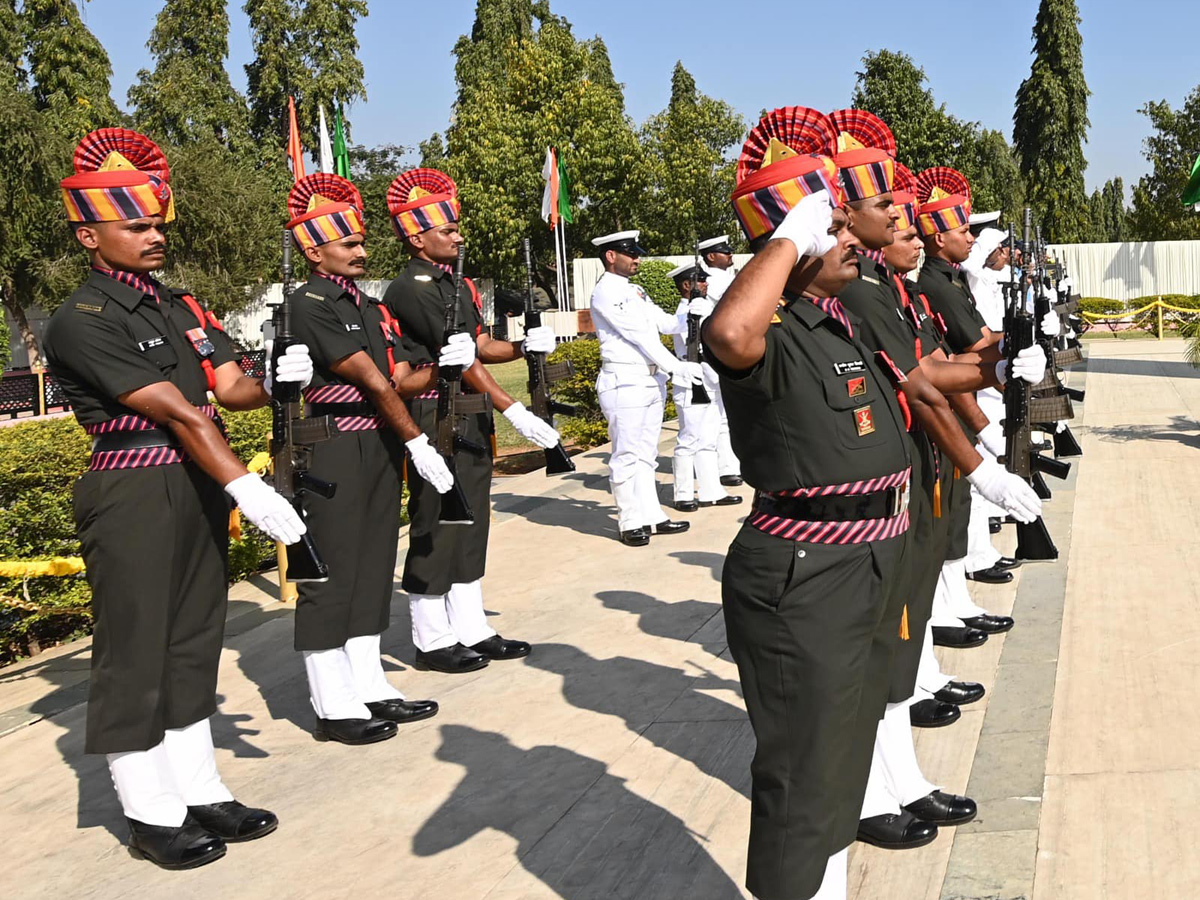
<point>294,366</point>
<point>688,374</point>
<point>700,306</point>
<point>539,340</point>
<point>459,351</point>
<point>992,439</point>
<point>1071,334</point>
<point>531,427</point>
<point>266,508</point>
<point>429,463</point>
<point>1050,324</point>
<point>1006,490</point>
<point>807,226</point>
<point>1030,365</point>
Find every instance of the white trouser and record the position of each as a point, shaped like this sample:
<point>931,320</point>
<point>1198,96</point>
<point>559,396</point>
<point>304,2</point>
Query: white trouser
<point>443,620</point>
<point>156,786</point>
<point>727,460</point>
<point>370,683</point>
<point>331,685</point>
<point>834,884</point>
<point>952,600</point>
<point>930,677</point>
<point>634,413</point>
<point>980,552</point>
<point>896,779</point>
<point>695,458</point>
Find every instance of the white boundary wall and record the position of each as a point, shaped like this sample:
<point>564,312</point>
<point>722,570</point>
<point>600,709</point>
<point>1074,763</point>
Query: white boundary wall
<point>1130,270</point>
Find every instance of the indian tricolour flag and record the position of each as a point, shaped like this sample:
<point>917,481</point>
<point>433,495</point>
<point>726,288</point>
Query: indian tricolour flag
<point>556,198</point>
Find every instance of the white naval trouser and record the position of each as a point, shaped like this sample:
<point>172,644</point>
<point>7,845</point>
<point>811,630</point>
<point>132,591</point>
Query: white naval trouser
<point>981,554</point>
<point>952,600</point>
<point>635,414</point>
<point>695,459</point>
<point>834,884</point>
<point>726,458</point>
<point>343,680</point>
<point>896,779</point>
<point>930,677</point>
<point>456,617</point>
<point>156,786</point>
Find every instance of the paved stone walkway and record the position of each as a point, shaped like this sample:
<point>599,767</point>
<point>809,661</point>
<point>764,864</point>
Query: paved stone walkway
<point>614,761</point>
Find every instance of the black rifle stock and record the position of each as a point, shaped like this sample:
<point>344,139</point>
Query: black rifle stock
<point>452,406</point>
<point>1033,540</point>
<point>1051,392</point>
<point>699,393</point>
<point>292,438</point>
<point>542,375</point>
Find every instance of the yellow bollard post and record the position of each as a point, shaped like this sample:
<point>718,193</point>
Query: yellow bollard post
<point>1159,308</point>
<point>287,590</point>
<point>41,391</point>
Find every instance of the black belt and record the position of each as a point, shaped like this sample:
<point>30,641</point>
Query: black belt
<point>132,440</point>
<point>885,504</point>
<point>353,408</point>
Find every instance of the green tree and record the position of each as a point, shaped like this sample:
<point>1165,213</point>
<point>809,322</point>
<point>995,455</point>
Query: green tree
<point>1050,123</point>
<point>1097,218</point>
<point>991,168</point>
<point>483,54</point>
<point>689,168</point>
<point>1158,213</point>
<point>188,96</point>
<point>326,35</point>
<point>1115,214</point>
<point>270,76</point>
<point>372,169</point>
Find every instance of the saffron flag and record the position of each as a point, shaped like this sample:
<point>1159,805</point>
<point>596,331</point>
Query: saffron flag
<point>325,152</point>
<point>341,156</point>
<point>550,194</point>
<point>295,152</point>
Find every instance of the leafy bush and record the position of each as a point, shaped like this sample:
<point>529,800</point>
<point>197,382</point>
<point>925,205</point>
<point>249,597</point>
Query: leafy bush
<point>589,428</point>
<point>652,276</point>
<point>1100,305</point>
<point>1172,320</point>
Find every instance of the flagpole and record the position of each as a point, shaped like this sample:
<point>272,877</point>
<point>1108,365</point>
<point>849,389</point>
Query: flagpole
<point>565,296</point>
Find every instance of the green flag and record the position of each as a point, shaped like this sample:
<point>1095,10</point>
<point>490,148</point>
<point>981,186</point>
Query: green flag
<point>341,157</point>
<point>1191,194</point>
<point>564,194</point>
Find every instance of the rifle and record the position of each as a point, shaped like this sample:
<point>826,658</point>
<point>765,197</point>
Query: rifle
<point>542,375</point>
<point>1051,390</point>
<point>293,437</point>
<point>452,406</point>
<point>699,394</point>
<point>1033,540</point>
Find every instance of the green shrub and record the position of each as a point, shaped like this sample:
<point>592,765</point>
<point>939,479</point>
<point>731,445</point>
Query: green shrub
<point>1172,320</point>
<point>1100,305</point>
<point>652,276</point>
<point>589,428</point>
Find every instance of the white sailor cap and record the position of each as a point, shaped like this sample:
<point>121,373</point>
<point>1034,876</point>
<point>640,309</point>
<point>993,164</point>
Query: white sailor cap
<point>986,218</point>
<point>719,244</point>
<point>688,272</point>
<point>624,241</point>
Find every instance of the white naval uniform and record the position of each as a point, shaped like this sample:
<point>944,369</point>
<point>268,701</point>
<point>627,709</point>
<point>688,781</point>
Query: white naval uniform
<point>727,462</point>
<point>695,461</point>
<point>634,366</point>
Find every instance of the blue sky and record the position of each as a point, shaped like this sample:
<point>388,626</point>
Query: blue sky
<point>974,61</point>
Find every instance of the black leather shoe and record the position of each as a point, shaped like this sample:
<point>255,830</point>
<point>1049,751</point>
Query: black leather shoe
<point>960,693</point>
<point>401,711</point>
<point>946,636</point>
<point>933,714</point>
<point>497,647</point>
<point>944,809</point>
<point>896,832</point>
<point>991,575</point>
<point>185,847</point>
<point>731,480</point>
<point>354,731</point>
<point>1007,562</point>
<point>687,505</point>
<point>453,660</point>
<point>728,500</point>
<point>637,537</point>
<point>994,526</point>
<point>233,822</point>
<point>990,624</point>
<point>670,527</point>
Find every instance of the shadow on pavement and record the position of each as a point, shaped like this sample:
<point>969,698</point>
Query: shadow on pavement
<point>579,830</point>
<point>679,621</point>
<point>1181,430</point>
<point>581,516</point>
<point>714,562</point>
<point>1127,366</point>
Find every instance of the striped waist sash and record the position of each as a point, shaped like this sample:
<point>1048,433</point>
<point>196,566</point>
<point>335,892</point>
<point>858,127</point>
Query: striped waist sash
<point>351,411</point>
<point>133,441</point>
<point>850,513</point>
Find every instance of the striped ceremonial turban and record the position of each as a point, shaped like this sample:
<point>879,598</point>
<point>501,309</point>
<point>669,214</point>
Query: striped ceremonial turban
<point>324,207</point>
<point>420,199</point>
<point>904,197</point>
<point>785,158</point>
<point>119,174</point>
<point>944,198</point>
<point>865,155</point>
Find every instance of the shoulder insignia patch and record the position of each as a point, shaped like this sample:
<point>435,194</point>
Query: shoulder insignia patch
<point>313,296</point>
<point>869,278</point>
<point>775,320</point>
<point>89,307</point>
<point>422,278</point>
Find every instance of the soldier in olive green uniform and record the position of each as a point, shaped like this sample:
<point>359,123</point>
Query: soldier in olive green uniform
<point>137,361</point>
<point>446,562</point>
<point>359,355</point>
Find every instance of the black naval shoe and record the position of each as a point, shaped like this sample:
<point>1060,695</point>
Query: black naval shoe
<point>947,636</point>
<point>234,822</point>
<point>354,731</point>
<point>727,500</point>
<point>933,714</point>
<point>687,505</point>
<point>994,525</point>
<point>991,575</point>
<point>670,527</point>
<point>401,711</point>
<point>497,647</point>
<point>184,847</point>
<point>990,624</point>
<point>944,809</point>
<point>637,537</point>
<point>1007,562</point>
<point>896,832</point>
<point>453,660</point>
<point>960,693</point>
<point>731,480</point>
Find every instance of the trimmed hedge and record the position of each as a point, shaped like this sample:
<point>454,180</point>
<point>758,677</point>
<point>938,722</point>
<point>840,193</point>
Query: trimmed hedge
<point>1100,305</point>
<point>652,276</point>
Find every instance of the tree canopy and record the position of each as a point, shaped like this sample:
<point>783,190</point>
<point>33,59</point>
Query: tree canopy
<point>1158,214</point>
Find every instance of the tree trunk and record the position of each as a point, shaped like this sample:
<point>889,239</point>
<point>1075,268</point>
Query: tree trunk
<point>28,338</point>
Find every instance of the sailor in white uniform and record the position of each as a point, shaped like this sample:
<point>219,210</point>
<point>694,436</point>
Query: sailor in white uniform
<point>634,366</point>
<point>716,255</point>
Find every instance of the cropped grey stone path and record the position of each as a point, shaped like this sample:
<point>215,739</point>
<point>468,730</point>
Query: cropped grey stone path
<point>613,762</point>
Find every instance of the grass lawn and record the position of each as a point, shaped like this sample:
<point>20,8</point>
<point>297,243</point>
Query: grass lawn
<point>1100,333</point>
<point>512,377</point>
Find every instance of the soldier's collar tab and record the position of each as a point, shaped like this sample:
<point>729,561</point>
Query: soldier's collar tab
<point>124,294</point>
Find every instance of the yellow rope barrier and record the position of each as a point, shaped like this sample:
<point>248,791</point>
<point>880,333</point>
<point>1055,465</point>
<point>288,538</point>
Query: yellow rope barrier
<point>1137,312</point>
